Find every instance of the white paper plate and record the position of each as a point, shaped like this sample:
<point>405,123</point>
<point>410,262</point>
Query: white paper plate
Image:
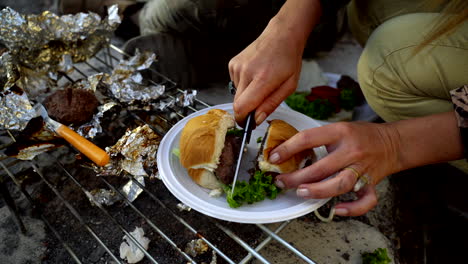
<point>286,206</point>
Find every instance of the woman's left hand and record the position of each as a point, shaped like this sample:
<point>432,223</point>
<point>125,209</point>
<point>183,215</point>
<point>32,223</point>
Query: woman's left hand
<point>367,149</point>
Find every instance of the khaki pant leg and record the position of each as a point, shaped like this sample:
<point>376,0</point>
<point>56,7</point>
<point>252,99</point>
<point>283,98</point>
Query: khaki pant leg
<point>364,16</point>
<point>398,86</point>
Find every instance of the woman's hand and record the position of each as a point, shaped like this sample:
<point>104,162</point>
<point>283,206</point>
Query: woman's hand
<point>369,149</point>
<point>267,71</point>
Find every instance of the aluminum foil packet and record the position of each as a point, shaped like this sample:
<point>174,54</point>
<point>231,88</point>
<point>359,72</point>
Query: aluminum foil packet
<point>127,84</point>
<point>15,109</point>
<point>41,41</point>
<point>134,153</point>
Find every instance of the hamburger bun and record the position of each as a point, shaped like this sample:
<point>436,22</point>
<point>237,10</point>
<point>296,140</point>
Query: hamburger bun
<point>278,132</point>
<point>201,144</point>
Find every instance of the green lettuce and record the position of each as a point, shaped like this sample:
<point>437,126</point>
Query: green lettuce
<point>259,187</point>
<point>379,256</point>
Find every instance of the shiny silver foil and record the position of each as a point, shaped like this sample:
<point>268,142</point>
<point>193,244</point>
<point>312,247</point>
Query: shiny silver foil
<point>128,85</point>
<point>15,109</point>
<point>103,197</point>
<point>183,99</point>
<point>134,153</point>
<point>133,190</point>
<point>9,72</point>
<point>93,127</point>
<point>40,41</point>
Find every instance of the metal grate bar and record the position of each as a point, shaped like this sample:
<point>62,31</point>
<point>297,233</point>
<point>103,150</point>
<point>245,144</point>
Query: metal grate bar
<point>182,221</point>
<point>148,221</point>
<point>104,210</point>
<point>286,244</point>
<point>242,243</point>
<point>32,203</point>
<point>92,67</point>
<point>79,71</point>
<point>264,242</point>
<point>75,213</point>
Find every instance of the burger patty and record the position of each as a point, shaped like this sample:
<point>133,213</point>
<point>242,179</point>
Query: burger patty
<point>228,159</point>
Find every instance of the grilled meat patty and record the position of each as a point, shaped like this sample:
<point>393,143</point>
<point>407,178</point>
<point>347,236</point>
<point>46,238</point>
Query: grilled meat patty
<point>228,159</point>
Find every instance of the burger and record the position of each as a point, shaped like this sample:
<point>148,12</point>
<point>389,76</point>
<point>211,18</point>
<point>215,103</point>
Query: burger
<point>210,145</point>
<point>209,148</point>
<point>278,132</point>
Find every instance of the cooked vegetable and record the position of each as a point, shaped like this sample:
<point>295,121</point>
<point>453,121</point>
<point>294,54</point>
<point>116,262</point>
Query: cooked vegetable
<point>235,131</point>
<point>259,140</point>
<point>379,256</point>
<point>318,109</point>
<point>257,189</point>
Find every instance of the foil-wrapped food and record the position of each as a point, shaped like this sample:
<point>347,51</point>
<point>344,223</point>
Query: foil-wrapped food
<point>41,41</point>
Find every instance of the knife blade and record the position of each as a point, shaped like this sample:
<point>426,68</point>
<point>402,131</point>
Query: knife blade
<point>249,126</point>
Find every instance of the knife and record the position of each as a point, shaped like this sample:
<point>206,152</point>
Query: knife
<point>93,152</point>
<point>249,126</point>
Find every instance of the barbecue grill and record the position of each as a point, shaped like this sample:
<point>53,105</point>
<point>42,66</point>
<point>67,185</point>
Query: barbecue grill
<point>57,187</point>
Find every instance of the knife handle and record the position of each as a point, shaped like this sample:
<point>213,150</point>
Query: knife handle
<point>93,152</point>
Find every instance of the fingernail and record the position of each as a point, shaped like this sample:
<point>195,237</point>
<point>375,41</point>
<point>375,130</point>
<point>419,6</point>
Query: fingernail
<point>302,192</point>
<point>260,118</point>
<point>341,211</point>
<point>274,157</point>
<point>279,184</point>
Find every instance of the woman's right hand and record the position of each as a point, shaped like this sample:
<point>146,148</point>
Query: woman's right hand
<point>267,71</point>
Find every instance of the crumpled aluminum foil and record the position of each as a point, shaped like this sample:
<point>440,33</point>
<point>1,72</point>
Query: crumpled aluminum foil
<point>103,197</point>
<point>182,99</point>
<point>15,109</point>
<point>196,247</point>
<point>134,153</point>
<point>9,72</point>
<point>133,190</point>
<point>31,152</point>
<point>129,251</point>
<point>128,85</point>
<point>93,127</point>
<point>40,41</point>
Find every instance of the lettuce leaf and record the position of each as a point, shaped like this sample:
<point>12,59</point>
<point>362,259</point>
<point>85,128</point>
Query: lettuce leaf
<point>259,187</point>
<point>379,256</point>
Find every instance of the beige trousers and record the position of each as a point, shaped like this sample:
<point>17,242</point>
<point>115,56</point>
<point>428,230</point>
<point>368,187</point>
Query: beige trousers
<point>396,84</point>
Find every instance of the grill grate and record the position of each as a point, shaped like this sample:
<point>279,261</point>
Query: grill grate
<point>250,246</point>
